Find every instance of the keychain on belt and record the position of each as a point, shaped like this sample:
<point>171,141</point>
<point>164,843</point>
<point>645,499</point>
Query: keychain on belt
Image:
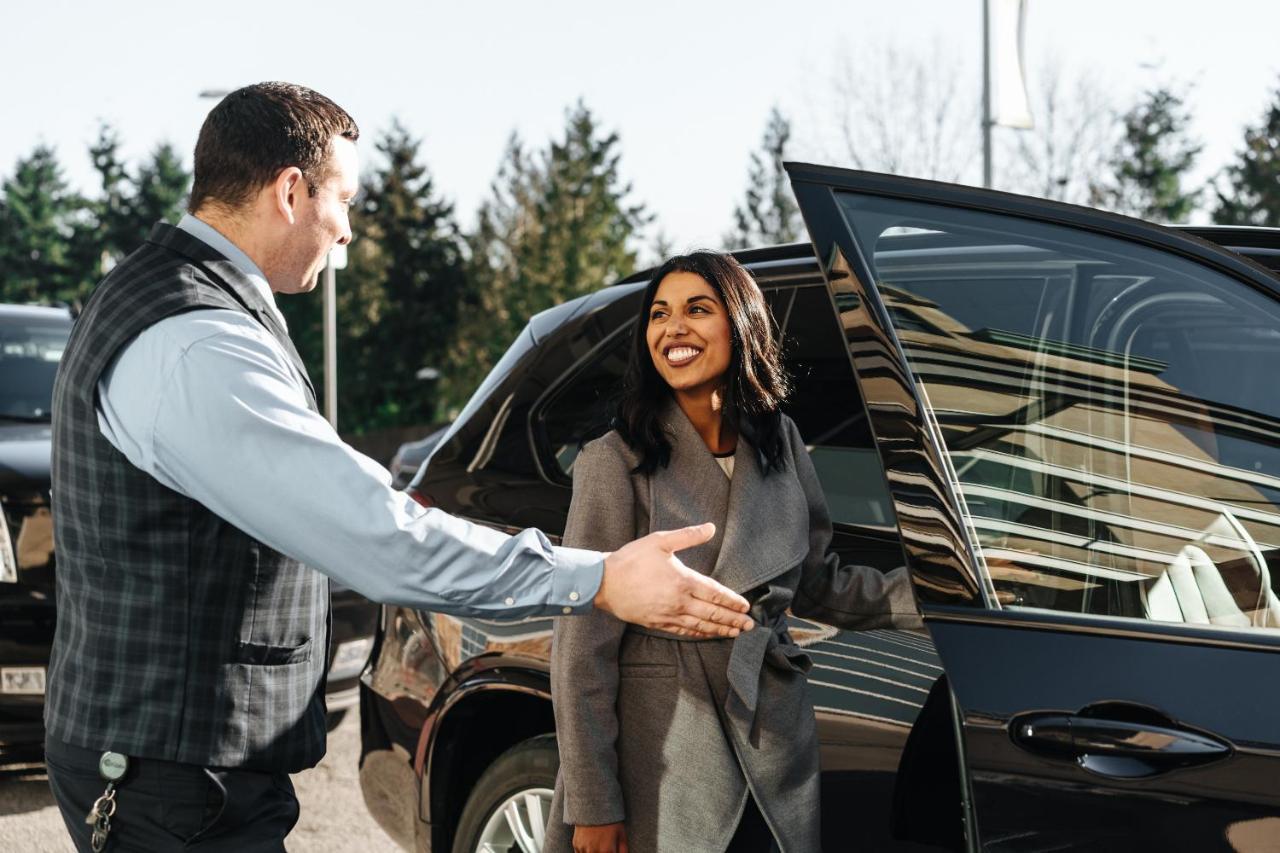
<point>111,767</point>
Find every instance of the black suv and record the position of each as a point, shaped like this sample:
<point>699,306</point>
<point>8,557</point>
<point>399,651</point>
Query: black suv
<point>1063,421</point>
<point>32,339</point>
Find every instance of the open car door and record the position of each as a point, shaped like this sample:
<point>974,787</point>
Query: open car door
<point>1079,419</point>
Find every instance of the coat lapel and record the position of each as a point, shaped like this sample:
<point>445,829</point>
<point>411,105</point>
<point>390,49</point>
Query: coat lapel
<point>762,523</point>
<point>692,489</point>
<point>767,532</point>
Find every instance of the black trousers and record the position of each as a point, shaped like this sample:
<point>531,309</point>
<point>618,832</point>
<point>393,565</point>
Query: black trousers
<point>753,834</point>
<point>164,806</point>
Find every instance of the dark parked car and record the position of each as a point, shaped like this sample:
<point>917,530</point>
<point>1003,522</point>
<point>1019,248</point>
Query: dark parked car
<point>410,456</point>
<point>31,343</point>
<point>1064,422</point>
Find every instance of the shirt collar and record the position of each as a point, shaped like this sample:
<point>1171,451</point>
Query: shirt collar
<point>209,235</point>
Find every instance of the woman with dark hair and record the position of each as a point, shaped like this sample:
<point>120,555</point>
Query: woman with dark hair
<point>671,744</point>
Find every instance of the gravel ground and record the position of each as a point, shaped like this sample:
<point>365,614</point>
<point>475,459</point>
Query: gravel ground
<point>334,818</point>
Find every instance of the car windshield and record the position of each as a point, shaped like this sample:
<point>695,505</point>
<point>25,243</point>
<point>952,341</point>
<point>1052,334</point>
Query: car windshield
<point>30,349</point>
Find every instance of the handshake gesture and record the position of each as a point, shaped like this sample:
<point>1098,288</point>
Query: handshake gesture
<point>644,583</point>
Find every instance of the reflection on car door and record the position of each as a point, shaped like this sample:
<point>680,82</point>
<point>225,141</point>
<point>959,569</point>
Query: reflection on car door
<point>1080,431</point>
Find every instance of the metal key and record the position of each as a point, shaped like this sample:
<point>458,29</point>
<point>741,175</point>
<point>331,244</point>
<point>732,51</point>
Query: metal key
<point>111,767</point>
<point>100,818</point>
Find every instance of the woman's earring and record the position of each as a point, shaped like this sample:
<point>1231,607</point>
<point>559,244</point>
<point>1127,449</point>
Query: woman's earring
<point>717,400</point>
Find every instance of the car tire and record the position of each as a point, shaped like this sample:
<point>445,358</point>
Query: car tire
<point>520,778</point>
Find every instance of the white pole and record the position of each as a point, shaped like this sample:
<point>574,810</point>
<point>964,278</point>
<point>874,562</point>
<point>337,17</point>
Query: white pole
<point>331,343</point>
<point>986,93</point>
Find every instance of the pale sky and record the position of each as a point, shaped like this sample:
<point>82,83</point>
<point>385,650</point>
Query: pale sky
<point>688,85</point>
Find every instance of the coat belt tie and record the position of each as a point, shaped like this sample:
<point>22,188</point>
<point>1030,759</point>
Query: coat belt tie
<point>768,643</point>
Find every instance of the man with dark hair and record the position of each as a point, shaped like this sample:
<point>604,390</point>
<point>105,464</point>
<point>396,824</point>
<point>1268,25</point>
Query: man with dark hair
<point>195,483</point>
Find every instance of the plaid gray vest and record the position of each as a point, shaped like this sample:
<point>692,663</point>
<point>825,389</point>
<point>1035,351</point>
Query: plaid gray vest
<point>179,636</point>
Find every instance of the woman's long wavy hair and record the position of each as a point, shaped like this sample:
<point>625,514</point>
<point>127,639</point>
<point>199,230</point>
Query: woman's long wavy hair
<point>755,384</point>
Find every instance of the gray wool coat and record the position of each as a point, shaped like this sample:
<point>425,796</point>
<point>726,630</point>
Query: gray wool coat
<point>671,735</point>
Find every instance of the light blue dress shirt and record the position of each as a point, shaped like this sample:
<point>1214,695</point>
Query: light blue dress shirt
<point>208,403</point>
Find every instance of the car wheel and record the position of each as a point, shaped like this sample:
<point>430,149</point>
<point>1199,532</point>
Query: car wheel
<point>508,808</point>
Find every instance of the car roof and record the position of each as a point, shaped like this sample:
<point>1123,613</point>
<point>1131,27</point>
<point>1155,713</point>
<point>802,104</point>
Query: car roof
<point>34,312</point>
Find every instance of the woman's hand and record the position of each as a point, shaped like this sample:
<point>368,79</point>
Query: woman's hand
<point>609,838</point>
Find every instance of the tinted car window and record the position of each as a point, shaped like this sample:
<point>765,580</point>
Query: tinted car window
<point>826,405</point>
<point>583,406</point>
<point>30,349</point>
<point>1108,409</point>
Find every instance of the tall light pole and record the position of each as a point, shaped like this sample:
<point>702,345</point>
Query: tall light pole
<point>337,261</point>
<point>1007,105</point>
<point>986,93</point>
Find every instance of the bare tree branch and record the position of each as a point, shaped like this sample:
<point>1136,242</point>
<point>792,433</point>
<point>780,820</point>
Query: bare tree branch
<point>903,113</point>
<point>1068,149</point>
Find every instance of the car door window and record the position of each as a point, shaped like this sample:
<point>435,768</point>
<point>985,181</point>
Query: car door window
<point>583,407</point>
<point>838,436</point>
<point>1108,409</point>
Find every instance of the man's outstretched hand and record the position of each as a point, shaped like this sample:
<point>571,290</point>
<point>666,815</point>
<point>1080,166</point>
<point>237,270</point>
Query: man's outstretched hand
<point>646,584</point>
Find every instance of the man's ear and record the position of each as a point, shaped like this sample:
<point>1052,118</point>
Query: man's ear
<point>285,192</point>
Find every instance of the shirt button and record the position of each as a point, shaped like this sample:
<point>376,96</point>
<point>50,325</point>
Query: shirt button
<point>573,596</point>
<point>510,601</point>
<point>567,611</point>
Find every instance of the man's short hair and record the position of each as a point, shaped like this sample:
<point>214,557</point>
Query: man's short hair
<point>255,132</point>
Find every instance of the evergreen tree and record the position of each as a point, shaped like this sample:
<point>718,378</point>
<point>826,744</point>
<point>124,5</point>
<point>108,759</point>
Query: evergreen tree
<point>119,219</point>
<point>159,192</point>
<point>398,300</point>
<point>109,231</point>
<point>1252,196</point>
<point>582,229</point>
<point>489,321</point>
<point>558,224</point>
<point>1152,161</point>
<point>422,286</point>
<point>768,214</point>
<point>37,222</point>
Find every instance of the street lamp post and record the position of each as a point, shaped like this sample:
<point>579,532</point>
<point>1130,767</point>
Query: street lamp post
<point>337,261</point>
<point>986,93</point>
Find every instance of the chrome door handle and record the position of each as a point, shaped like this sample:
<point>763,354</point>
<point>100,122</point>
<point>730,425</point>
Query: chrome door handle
<point>1118,748</point>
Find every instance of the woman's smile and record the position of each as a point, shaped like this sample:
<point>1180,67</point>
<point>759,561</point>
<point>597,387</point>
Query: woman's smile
<point>678,355</point>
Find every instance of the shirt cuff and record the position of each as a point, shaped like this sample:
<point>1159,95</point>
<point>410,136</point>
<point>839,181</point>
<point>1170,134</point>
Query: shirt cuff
<point>575,580</point>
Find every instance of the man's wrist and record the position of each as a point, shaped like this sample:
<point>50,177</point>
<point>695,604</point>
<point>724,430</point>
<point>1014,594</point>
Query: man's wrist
<point>576,580</point>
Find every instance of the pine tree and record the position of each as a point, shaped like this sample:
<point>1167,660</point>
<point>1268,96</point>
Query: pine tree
<point>37,224</point>
<point>109,231</point>
<point>490,319</point>
<point>398,300</point>
<point>768,214</point>
<point>1252,196</point>
<point>1149,167</point>
<point>583,226</point>
<point>422,285</point>
<point>160,190</point>
<point>558,224</point>
<point>119,219</point>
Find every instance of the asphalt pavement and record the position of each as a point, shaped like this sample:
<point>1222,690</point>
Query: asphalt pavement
<point>334,818</point>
